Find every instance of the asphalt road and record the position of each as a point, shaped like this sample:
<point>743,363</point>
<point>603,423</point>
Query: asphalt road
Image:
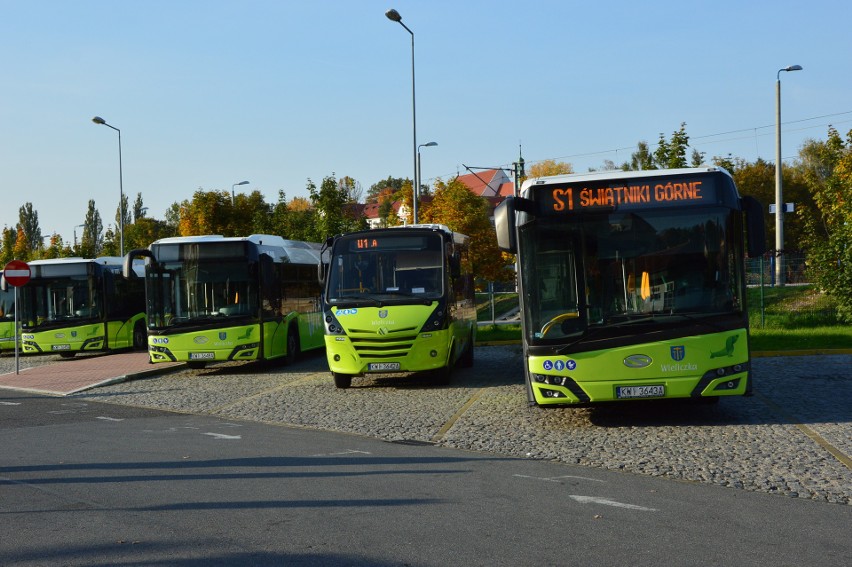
<point>90,483</point>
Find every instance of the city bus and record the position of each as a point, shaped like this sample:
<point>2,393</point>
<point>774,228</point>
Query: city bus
<point>212,299</point>
<point>632,284</point>
<point>7,317</point>
<point>73,305</point>
<point>398,299</point>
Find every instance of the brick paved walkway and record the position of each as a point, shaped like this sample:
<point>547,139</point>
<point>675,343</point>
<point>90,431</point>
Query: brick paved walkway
<point>71,375</point>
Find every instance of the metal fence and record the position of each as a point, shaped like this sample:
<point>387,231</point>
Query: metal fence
<point>796,304</point>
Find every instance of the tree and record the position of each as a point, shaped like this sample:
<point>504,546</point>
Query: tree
<point>672,154</point>
<point>9,236</point>
<point>122,206</point>
<point>828,173</point>
<point>549,167</point>
<point>334,215</point>
<point>29,233</point>
<point>353,189</point>
<point>139,210</point>
<point>393,183</point>
<point>641,159</point>
<point>456,207</point>
<point>92,242</point>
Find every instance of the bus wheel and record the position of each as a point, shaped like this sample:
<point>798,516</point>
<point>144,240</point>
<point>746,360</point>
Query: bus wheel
<point>140,336</point>
<point>466,359</point>
<point>292,345</point>
<point>342,381</point>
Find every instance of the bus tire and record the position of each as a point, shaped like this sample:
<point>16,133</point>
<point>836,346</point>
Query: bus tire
<point>292,345</point>
<point>466,359</point>
<point>342,381</point>
<point>140,336</point>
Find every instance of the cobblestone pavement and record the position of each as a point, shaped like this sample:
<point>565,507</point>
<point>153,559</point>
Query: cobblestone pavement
<point>793,437</point>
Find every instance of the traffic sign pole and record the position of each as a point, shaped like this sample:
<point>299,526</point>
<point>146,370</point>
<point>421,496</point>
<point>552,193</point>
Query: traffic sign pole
<point>17,273</point>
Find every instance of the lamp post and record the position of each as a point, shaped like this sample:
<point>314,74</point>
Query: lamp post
<point>99,120</point>
<point>415,196</point>
<point>779,194</point>
<point>232,189</point>
<point>394,16</point>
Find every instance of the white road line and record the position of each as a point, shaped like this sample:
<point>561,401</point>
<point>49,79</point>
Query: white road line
<point>346,452</point>
<point>10,403</point>
<point>109,418</point>
<point>608,502</point>
<point>558,478</point>
<point>223,436</point>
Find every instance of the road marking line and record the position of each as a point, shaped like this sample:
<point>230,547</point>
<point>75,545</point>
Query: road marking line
<point>558,478</point>
<point>223,436</point>
<point>450,422</point>
<point>815,437</point>
<point>10,403</point>
<point>109,418</point>
<point>608,502</point>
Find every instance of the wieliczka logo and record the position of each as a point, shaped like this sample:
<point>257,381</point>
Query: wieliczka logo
<point>678,353</point>
<point>223,335</point>
<point>383,313</point>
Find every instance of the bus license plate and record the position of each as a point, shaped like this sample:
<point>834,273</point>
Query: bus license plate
<point>640,391</point>
<point>60,347</point>
<point>380,366</point>
<point>202,356</point>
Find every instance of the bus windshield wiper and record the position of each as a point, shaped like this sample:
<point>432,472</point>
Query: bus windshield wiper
<point>355,300</point>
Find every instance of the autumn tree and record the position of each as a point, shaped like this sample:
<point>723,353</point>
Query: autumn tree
<point>9,236</point>
<point>29,233</point>
<point>828,173</point>
<point>455,206</point>
<point>393,183</point>
<point>548,167</point>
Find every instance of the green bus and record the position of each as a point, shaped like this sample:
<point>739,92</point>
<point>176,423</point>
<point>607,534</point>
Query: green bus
<point>398,299</point>
<point>632,284</point>
<point>214,299</point>
<point>73,305</point>
<point>7,317</point>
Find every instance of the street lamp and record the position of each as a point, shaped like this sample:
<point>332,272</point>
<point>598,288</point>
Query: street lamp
<point>416,194</point>
<point>779,194</point>
<point>99,120</point>
<point>232,189</point>
<point>394,16</point>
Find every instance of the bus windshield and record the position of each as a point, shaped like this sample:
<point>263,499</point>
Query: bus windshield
<point>194,291</point>
<point>613,269</point>
<point>385,268</point>
<point>51,302</point>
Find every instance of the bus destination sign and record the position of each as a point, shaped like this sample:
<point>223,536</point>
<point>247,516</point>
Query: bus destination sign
<point>608,195</point>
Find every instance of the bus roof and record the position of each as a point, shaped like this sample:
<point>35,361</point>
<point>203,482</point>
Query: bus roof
<point>458,238</point>
<point>66,266</point>
<point>296,251</point>
<point>618,174</point>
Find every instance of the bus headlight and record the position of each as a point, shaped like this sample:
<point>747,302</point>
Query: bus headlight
<point>332,325</point>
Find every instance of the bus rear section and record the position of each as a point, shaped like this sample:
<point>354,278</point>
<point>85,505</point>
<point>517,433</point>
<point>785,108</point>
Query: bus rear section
<point>73,305</point>
<point>213,299</point>
<point>632,284</point>
<point>398,300</point>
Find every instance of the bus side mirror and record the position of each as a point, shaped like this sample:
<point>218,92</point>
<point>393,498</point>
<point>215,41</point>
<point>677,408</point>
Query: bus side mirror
<point>455,266</point>
<point>325,255</point>
<point>127,267</point>
<point>504,225</point>
<point>754,225</point>
<point>3,285</point>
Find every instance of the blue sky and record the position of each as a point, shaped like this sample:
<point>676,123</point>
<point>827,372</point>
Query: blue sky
<point>208,93</point>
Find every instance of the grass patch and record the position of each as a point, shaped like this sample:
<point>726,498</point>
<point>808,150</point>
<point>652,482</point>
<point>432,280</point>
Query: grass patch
<point>785,319</point>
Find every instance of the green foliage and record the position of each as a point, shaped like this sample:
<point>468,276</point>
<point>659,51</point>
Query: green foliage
<point>333,206</point>
<point>29,232</point>
<point>456,207</point>
<point>393,183</point>
<point>828,174</point>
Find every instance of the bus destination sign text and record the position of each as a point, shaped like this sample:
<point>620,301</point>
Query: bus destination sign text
<point>584,197</point>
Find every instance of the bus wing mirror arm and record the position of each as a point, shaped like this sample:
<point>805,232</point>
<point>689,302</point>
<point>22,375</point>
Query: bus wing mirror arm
<point>127,268</point>
<point>505,221</point>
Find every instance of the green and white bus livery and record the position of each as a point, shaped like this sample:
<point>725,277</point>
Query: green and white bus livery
<point>214,299</point>
<point>73,305</point>
<point>632,284</point>
<point>398,300</point>
<point>7,317</point>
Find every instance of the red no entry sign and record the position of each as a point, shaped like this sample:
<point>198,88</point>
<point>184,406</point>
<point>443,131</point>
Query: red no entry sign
<point>17,273</point>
